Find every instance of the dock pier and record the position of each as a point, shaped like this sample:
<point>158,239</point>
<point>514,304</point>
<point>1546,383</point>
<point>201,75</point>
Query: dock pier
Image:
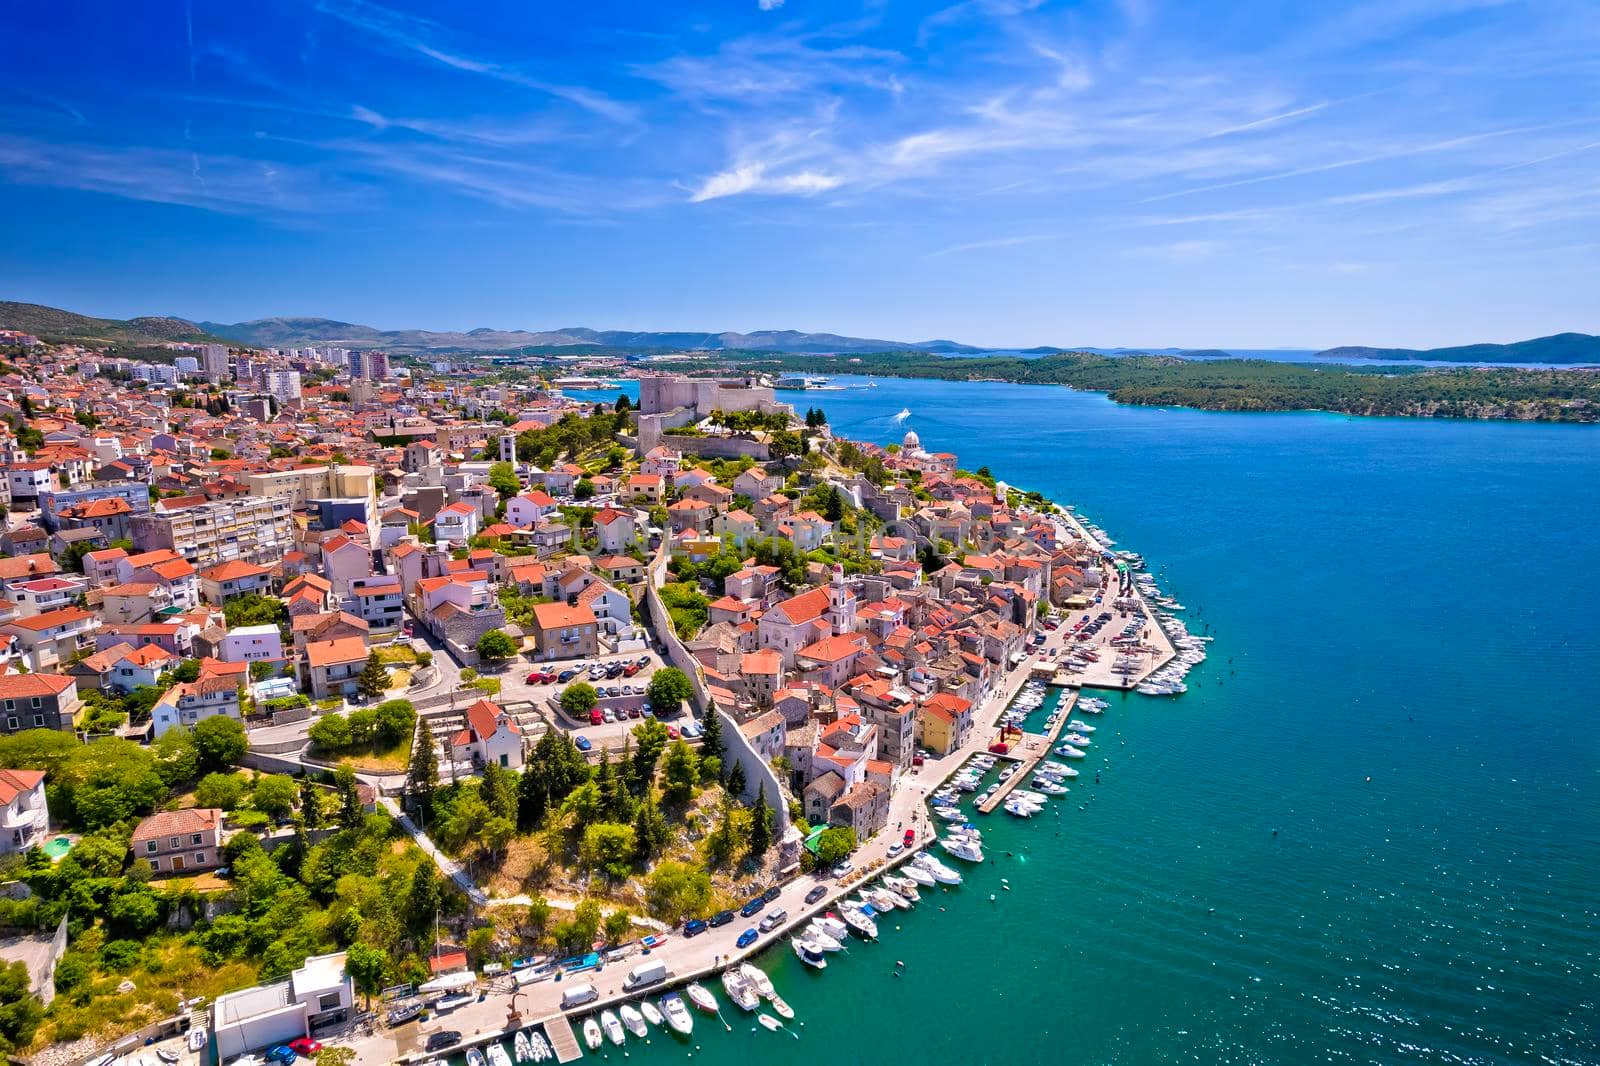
<point>562,1039</point>
<point>1029,751</point>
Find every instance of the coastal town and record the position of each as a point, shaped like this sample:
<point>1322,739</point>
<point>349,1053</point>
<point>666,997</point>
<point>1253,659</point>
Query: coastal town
<point>396,710</point>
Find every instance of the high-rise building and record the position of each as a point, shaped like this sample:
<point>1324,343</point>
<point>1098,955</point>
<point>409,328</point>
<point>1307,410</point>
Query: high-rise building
<point>214,357</point>
<point>251,528</point>
<point>284,385</point>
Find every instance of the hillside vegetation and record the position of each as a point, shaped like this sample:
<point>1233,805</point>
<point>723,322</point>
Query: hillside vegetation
<point>55,325</point>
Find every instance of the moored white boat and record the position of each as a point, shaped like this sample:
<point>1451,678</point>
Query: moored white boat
<point>702,998</point>
<point>808,952</point>
<point>859,923</point>
<point>651,1012</point>
<point>497,1055</point>
<point>769,1022</point>
<point>677,1015</point>
<point>782,1009</point>
<point>758,980</point>
<point>633,1020</point>
<point>591,1034</point>
<point>739,990</point>
<point>819,937</point>
<point>522,1047</point>
<point>959,846</point>
<point>612,1026</point>
<point>835,928</point>
<point>919,875</point>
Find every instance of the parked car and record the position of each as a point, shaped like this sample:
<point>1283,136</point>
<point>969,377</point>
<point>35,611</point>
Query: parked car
<point>643,661</point>
<point>304,1045</point>
<point>910,837</point>
<point>631,669</point>
<point>614,670</point>
<point>771,894</point>
<point>816,894</point>
<point>747,938</point>
<point>596,716</point>
<point>690,729</point>
<point>752,906</point>
<point>694,927</point>
<point>566,675</point>
<point>773,920</point>
<point>633,712</point>
<point>583,744</point>
<point>721,918</point>
<point>843,868</point>
<point>283,1053</point>
<point>672,732</point>
<point>895,849</point>
<point>610,715</point>
<point>441,1040</point>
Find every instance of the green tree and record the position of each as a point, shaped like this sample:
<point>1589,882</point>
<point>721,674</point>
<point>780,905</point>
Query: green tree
<point>676,890</point>
<point>176,758</point>
<point>374,679</point>
<point>651,737</point>
<point>344,781</point>
<point>617,925</point>
<point>254,609</point>
<point>503,479</point>
<point>495,646</point>
<point>219,742</point>
<point>583,490</point>
<point>274,795</point>
<point>310,802</point>
<point>667,690</point>
<point>760,824</point>
<point>578,933</point>
<point>422,778</point>
<point>835,845</point>
<point>608,846</point>
<point>330,733</point>
<point>422,898</point>
<point>395,721</point>
<point>736,783</point>
<point>367,967</point>
<point>711,745</point>
<point>680,773</point>
<point>578,699</point>
<point>650,830</point>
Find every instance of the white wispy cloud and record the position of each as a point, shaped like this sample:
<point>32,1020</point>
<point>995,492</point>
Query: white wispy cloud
<point>415,35</point>
<point>754,178</point>
<point>996,242</point>
<point>769,5</point>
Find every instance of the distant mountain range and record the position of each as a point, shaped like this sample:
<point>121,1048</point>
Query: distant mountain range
<point>288,332</point>
<point>54,324</point>
<point>1563,348</point>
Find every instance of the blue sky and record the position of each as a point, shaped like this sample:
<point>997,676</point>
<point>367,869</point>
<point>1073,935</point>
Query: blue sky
<point>1134,172</point>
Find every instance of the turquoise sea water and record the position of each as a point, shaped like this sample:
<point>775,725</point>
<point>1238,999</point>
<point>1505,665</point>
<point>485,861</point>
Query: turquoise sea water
<point>1402,686</point>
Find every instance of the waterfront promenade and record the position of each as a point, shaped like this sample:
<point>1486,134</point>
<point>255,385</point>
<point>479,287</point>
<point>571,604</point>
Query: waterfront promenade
<point>708,954</point>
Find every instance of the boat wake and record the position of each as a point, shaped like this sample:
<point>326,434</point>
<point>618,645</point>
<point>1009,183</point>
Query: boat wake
<point>905,413</point>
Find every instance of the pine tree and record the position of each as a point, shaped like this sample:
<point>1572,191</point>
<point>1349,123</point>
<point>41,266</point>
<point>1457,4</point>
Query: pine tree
<point>650,830</point>
<point>374,679</point>
<point>711,745</point>
<point>760,824</point>
<point>533,796</point>
<point>349,798</point>
<point>422,779</point>
<point>310,803</point>
<point>736,779</point>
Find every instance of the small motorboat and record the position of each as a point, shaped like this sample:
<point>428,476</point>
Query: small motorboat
<point>903,887</point>
<point>859,923</point>
<point>1082,727</point>
<point>1067,751</point>
<point>168,1057</point>
<point>498,1056</point>
<point>523,1047</point>
<point>677,1015</point>
<point>809,953</point>
<point>821,939</point>
<point>542,1051</point>
<point>919,875</point>
<point>782,1009</point>
<point>475,1057</point>
<point>591,1034</point>
<point>612,1026</point>
<point>651,1012</point>
<point>633,1020</point>
<point>702,998</point>
<point>769,1022</point>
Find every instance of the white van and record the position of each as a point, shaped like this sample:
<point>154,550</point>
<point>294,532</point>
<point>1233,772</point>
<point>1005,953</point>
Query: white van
<point>577,996</point>
<point>646,973</point>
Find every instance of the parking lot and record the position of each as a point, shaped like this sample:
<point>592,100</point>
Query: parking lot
<point>622,694</point>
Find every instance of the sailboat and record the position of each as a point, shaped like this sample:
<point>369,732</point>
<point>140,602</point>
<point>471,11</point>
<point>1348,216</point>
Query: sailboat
<point>702,998</point>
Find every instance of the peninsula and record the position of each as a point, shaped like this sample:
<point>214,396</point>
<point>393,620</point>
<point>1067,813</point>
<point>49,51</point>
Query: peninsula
<point>335,678</point>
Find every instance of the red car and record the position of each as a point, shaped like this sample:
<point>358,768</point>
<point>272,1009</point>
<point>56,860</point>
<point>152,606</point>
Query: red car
<point>672,732</point>
<point>305,1046</point>
<point>911,835</point>
<point>596,716</point>
<point>631,669</point>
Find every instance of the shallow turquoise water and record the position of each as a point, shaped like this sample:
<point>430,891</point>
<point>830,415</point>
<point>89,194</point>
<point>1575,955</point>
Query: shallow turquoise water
<point>1402,687</point>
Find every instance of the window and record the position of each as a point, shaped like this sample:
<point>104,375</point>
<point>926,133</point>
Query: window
<point>11,705</point>
<point>199,858</point>
<point>38,720</point>
<point>12,723</point>
<point>150,846</point>
<point>328,1001</point>
<point>173,843</point>
<point>37,703</point>
<point>195,839</point>
<point>155,864</point>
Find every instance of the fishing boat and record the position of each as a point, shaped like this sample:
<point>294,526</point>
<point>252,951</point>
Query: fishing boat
<point>758,980</point>
<point>769,1022</point>
<point>591,1034</point>
<point>633,1020</point>
<point>612,1026</point>
<point>677,1015</point>
<point>702,998</point>
<point>651,1012</point>
<point>498,1056</point>
<point>739,990</point>
<point>475,1057</point>
<point>859,923</point>
<point>809,953</point>
<point>523,1047</point>
<point>782,1009</point>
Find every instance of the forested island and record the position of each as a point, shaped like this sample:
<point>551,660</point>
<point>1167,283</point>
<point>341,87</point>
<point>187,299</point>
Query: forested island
<point>1241,384</point>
